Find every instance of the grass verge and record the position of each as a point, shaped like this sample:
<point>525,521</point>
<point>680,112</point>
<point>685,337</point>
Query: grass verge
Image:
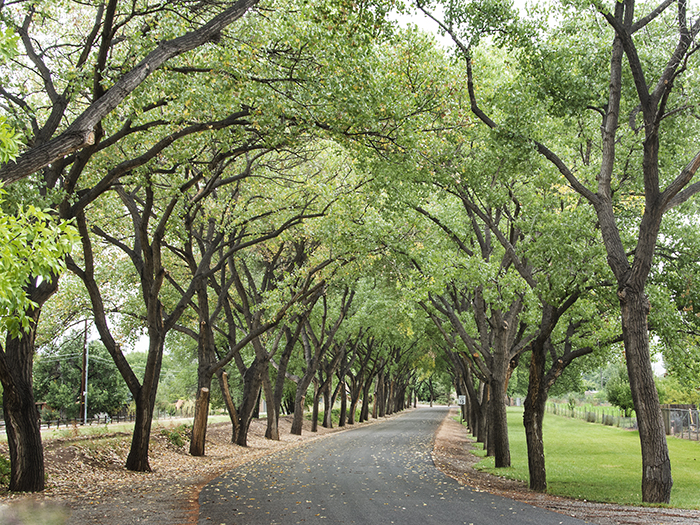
<point>598,463</point>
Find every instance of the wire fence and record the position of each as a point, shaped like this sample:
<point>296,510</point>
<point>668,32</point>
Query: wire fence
<point>681,421</point>
<point>609,416</point>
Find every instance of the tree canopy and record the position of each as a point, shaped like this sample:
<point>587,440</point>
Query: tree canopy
<point>309,203</point>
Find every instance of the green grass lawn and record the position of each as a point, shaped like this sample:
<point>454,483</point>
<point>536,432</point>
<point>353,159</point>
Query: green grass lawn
<point>598,463</point>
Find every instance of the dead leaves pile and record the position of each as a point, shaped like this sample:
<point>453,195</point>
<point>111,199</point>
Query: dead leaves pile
<point>87,474</point>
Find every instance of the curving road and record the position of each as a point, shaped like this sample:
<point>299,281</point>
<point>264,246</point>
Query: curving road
<point>377,474</point>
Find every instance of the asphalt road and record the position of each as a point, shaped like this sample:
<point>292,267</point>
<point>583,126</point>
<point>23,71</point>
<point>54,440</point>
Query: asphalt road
<point>377,474</point>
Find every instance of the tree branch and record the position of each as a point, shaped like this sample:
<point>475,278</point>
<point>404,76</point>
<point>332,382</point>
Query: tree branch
<point>81,132</point>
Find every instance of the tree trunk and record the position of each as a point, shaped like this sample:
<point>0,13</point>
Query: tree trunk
<point>21,418</point>
<point>145,399</point>
<point>389,407</point>
<point>278,394</point>
<point>379,397</point>
<point>299,401</point>
<point>137,460</point>
<point>199,425</point>
<point>20,413</point>
<point>252,381</point>
<point>314,408</point>
<point>656,465</point>
<point>342,386</point>
<point>498,383</point>
<point>532,419</point>
<point>430,389</point>
<point>272,430</point>
<point>228,401</point>
<point>499,418</point>
<point>327,403</point>
<point>364,412</point>
<point>206,358</point>
<point>355,392</point>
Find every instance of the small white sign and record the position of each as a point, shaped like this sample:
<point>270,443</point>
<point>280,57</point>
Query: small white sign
<point>461,400</point>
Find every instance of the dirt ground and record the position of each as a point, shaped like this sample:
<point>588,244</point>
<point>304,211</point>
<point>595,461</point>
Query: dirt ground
<point>87,484</point>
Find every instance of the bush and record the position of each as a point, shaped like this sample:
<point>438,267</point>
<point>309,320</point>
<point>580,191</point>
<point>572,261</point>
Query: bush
<point>49,414</point>
<point>4,471</point>
<point>178,435</point>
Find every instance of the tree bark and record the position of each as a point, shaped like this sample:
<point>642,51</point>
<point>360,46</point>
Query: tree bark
<point>21,418</point>
<point>272,429</point>
<point>364,411</point>
<point>314,408</point>
<point>327,402</point>
<point>291,339</point>
<point>137,460</point>
<point>656,464</point>
<point>81,132</point>
<point>342,387</point>
<point>497,409</point>
<point>533,416</point>
<point>199,425</point>
<point>299,401</point>
<point>228,401</point>
<point>252,382</point>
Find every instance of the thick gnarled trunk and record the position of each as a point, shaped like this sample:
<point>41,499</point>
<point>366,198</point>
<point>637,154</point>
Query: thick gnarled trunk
<point>137,460</point>
<point>656,465</point>
<point>252,381</point>
<point>21,417</point>
<point>145,399</point>
<point>533,416</point>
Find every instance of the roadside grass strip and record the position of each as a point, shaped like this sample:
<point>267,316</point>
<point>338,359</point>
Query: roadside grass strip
<point>598,463</point>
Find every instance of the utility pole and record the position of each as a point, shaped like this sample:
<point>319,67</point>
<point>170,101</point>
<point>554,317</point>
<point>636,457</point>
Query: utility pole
<point>85,374</point>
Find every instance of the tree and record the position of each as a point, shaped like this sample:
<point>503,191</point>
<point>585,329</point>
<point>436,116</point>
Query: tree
<point>675,320</point>
<point>266,267</point>
<point>58,375</point>
<point>317,336</point>
<point>619,392</point>
<point>59,155</point>
<point>54,145</point>
<point>650,87</point>
<point>33,246</point>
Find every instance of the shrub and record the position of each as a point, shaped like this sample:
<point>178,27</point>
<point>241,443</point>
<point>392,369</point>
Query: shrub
<point>4,471</point>
<point>178,435</point>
